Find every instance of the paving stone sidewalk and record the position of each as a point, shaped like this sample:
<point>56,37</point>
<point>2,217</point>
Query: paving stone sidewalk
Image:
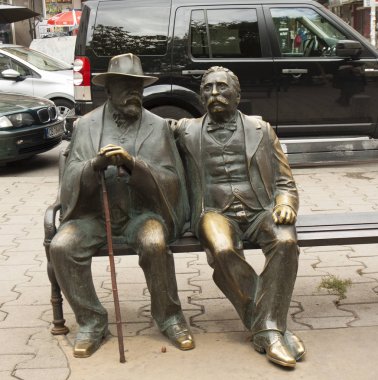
<point>28,351</point>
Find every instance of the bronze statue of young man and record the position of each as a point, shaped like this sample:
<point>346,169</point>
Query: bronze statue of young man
<point>241,188</point>
<point>148,204</point>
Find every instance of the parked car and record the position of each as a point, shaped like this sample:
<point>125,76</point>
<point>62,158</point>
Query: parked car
<point>301,67</point>
<point>28,126</point>
<point>30,72</point>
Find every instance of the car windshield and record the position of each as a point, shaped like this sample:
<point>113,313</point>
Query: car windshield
<point>37,59</point>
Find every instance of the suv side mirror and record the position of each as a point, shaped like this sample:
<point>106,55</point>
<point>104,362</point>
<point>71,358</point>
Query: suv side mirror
<point>348,49</point>
<point>11,74</point>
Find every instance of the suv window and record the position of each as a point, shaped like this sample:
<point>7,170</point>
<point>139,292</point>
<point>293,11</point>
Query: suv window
<point>304,32</point>
<point>225,33</point>
<point>141,30</point>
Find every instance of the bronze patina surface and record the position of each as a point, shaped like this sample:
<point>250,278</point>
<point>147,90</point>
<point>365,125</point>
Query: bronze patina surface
<point>147,198</point>
<point>241,188</point>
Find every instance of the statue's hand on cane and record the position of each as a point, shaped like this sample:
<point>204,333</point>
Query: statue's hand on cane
<point>113,155</point>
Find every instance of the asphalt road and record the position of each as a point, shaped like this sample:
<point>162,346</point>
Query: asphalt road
<point>41,165</point>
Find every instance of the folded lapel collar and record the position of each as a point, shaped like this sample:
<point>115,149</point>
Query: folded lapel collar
<point>97,126</point>
<point>193,137</point>
<point>145,129</point>
<point>253,135</point>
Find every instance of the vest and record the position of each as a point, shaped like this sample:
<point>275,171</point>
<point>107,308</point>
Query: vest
<point>225,172</point>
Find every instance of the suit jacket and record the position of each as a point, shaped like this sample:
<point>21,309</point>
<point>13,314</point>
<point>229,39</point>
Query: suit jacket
<point>157,175</point>
<point>274,183</point>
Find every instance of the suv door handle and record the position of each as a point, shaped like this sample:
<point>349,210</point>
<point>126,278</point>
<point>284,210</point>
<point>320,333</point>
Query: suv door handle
<point>193,72</point>
<point>294,71</point>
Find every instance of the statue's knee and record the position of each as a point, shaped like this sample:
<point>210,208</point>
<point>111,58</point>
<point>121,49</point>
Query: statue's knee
<point>287,243</point>
<point>151,238</point>
<point>60,248</point>
<point>212,221</point>
<point>221,253</point>
<point>68,244</point>
<point>287,250</point>
<point>216,234</point>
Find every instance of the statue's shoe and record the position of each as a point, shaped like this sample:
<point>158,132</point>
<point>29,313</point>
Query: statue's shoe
<point>295,344</point>
<point>88,343</point>
<point>179,334</point>
<point>272,343</point>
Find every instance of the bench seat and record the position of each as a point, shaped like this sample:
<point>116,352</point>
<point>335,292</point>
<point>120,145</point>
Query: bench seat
<point>313,230</point>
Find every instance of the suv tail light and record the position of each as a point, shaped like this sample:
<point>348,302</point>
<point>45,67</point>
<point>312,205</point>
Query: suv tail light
<point>82,79</point>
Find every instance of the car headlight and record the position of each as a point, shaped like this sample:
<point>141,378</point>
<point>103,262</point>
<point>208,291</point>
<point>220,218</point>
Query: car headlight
<point>5,122</point>
<point>16,120</point>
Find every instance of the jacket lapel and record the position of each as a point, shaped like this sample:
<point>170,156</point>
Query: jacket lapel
<point>253,135</point>
<point>193,138</point>
<point>97,126</point>
<point>145,129</point>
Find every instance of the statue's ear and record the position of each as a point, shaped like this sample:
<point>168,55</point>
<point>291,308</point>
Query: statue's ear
<point>108,93</point>
<point>238,98</point>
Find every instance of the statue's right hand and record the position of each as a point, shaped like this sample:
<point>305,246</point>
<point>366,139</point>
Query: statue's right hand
<point>100,162</point>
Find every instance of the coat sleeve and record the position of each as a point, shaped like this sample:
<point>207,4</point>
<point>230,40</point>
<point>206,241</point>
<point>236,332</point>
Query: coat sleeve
<point>286,192</point>
<point>79,180</point>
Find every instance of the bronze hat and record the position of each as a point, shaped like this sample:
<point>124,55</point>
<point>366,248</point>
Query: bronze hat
<point>127,65</point>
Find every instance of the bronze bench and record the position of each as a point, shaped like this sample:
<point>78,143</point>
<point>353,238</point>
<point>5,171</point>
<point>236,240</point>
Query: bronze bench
<point>313,230</point>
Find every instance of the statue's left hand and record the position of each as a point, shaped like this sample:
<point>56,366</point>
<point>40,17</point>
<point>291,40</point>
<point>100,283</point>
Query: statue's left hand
<point>118,155</point>
<point>283,214</point>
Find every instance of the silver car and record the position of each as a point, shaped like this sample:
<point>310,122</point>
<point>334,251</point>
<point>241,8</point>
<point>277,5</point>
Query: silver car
<point>29,72</point>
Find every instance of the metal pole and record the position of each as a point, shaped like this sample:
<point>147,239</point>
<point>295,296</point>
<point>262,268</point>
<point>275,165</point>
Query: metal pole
<point>112,270</point>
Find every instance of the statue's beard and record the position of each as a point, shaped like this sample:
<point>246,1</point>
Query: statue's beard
<point>130,108</point>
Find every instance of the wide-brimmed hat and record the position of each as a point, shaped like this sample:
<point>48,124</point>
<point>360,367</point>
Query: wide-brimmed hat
<point>124,65</point>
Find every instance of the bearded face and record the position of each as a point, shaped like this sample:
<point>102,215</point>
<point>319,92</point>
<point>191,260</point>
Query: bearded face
<point>125,94</point>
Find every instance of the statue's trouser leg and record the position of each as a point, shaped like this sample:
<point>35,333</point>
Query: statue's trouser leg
<point>148,237</point>
<point>232,273</point>
<point>276,281</point>
<point>71,254</point>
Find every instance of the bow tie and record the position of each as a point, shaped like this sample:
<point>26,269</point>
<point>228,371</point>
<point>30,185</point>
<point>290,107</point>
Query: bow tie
<point>211,126</point>
<point>119,119</point>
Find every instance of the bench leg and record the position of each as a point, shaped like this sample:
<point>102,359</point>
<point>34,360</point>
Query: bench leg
<point>56,303</point>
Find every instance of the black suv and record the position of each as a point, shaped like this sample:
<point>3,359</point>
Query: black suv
<point>300,67</point>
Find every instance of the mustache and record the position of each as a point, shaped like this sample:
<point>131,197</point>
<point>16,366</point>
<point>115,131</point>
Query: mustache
<point>217,99</point>
<point>132,100</point>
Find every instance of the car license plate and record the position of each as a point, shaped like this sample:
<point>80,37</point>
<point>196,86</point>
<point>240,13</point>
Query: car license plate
<point>54,130</point>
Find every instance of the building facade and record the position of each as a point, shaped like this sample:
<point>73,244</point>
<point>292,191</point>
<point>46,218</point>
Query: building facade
<point>355,12</point>
<point>23,32</point>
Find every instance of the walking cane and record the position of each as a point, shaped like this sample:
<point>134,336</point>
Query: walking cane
<point>112,270</point>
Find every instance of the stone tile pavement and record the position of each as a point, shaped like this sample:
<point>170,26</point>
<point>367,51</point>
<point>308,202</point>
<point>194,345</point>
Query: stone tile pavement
<point>340,335</point>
